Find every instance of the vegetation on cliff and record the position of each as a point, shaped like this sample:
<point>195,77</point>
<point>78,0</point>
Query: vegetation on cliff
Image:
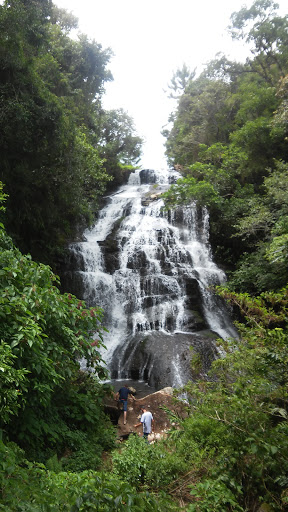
<point>229,138</point>
<point>59,148</point>
<point>53,429</point>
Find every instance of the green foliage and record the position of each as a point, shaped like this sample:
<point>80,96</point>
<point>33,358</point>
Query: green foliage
<point>260,25</point>
<point>53,464</point>
<point>31,487</point>
<point>264,222</point>
<point>146,465</point>
<point>188,189</point>
<point>45,398</point>
<point>120,145</point>
<point>119,138</point>
<point>214,495</point>
<point>131,462</point>
<point>228,137</point>
<point>48,83</point>
<point>237,426</point>
<point>233,152</point>
<point>231,450</point>
<point>179,81</point>
<point>85,449</point>
<point>201,118</point>
<point>277,189</point>
<point>10,380</point>
<point>254,273</point>
<point>51,126</point>
<point>278,250</point>
<point>281,115</point>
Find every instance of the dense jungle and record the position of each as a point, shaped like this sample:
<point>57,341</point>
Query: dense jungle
<point>61,153</point>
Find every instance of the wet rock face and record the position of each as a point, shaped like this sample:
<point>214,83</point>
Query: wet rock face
<point>138,261</point>
<point>73,283</point>
<point>151,271</point>
<point>165,360</point>
<point>110,251</point>
<point>74,259</point>
<point>147,176</point>
<point>192,292</point>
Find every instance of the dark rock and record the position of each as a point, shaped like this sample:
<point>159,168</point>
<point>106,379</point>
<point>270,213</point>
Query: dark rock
<point>73,282</point>
<point>147,176</point>
<point>138,261</point>
<point>113,412</point>
<point>157,353</point>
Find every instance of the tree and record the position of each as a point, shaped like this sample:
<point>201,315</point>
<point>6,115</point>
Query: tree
<point>228,138</point>
<point>268,35</point>
<point>281,114</point>
<point>118,137</point>
<point>180,80</point>
<point>202,117</point>
<point>48,404</point>
<point>120,146</point>
<point>51,127</point>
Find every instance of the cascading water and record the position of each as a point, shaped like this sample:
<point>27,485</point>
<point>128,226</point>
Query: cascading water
<point>151,271</point>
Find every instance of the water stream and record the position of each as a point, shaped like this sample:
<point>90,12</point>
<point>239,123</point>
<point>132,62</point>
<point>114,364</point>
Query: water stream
<point>151,272</point>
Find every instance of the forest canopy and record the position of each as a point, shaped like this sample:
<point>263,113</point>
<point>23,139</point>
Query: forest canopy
<point>228,137</point>
<point>59,150</point>
<point>57,156</point>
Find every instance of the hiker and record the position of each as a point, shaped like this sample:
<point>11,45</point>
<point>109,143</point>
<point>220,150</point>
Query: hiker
<point>122,397</point>
<point>147,421</point>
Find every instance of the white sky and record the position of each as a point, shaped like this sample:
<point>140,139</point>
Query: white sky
<point>150,40</point>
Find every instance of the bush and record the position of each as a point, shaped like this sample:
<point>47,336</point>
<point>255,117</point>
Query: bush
<point>150,465</point>
<point>28,487</point>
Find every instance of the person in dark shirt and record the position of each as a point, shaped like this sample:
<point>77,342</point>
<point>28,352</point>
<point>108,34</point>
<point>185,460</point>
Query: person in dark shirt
<point>122,397</point>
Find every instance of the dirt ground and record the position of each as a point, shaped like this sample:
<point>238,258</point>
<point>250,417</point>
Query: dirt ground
<point>156,403</point>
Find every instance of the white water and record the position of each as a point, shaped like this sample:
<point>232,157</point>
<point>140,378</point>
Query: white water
<point>158,253</point>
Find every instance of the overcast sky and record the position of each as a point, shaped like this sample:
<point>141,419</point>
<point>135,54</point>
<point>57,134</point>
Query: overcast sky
<point>150,40</point>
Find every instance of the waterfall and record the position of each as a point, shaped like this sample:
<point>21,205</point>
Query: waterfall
<point>151,271</point>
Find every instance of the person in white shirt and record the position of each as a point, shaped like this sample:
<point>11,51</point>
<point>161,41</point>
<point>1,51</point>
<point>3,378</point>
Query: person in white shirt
<point>147,421</point>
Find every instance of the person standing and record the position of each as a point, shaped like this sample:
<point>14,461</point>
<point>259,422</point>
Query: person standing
<point>147,421</point>
<point>122,397</point>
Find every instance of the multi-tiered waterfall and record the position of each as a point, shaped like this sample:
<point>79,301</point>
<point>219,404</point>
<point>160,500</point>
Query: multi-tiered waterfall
<point>151,272</point>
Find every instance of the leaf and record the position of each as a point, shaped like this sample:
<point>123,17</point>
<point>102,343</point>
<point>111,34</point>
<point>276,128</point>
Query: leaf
<point>14,343</point>
<point>254,448</point>
<point>280,412</point>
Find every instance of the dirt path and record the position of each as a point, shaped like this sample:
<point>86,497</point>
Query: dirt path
<point>156,403</point>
